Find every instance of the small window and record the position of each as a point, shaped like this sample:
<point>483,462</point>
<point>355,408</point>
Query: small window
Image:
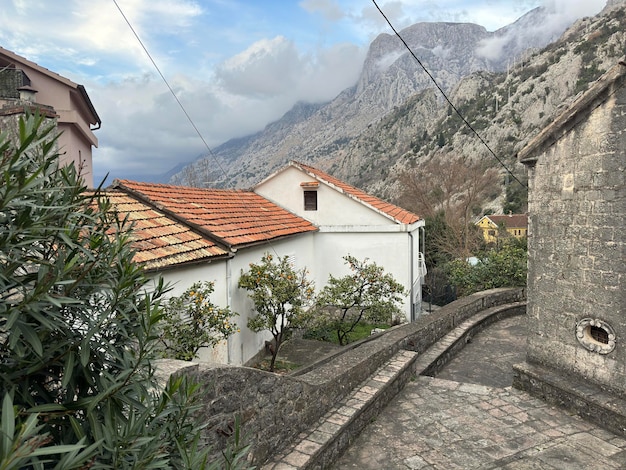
<point>492,233</point>
<point>310,200</point>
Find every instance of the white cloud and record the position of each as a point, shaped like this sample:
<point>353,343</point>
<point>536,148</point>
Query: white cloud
<point>559,14</point>
<point>327,8</point>
<point>266,68</point>
<point>251,89</point>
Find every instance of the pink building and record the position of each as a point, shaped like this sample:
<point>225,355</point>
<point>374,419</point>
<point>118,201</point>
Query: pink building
<point>24,83</point>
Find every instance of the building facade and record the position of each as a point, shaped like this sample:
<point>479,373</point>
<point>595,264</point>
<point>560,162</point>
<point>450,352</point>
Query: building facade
<point>236,228</point>
<point>496,227</point>
<point>577,238</point>
<point>26,86</point>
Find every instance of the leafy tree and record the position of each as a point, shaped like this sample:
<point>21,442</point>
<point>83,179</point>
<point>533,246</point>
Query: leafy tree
<point>516,199</point>
<point>279,293</point>
<point>191,321</point>
<point>503,267</point>
<point>77,328</point>
<point>368,294</point>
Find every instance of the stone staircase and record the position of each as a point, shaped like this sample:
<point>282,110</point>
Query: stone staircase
<point>320,446</point>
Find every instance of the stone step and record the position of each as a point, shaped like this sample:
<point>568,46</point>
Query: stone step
<point>320,446</point>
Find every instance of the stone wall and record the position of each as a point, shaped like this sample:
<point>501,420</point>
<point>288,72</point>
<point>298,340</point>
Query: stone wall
<point>274,408</point>
<point>577,202</point>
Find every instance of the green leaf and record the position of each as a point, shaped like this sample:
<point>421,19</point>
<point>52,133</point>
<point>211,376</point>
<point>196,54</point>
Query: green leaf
<point>30,335</point>
<point>68,369</point>
<point>8,425</point>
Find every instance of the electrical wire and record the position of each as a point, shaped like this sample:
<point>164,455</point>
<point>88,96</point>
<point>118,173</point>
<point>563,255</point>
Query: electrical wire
<point>180,104</point>
<point>446,96</point>
<point>182,107</point>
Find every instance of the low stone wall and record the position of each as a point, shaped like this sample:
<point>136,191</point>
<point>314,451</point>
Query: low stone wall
<point>606,408</point>
<point>274,409</point>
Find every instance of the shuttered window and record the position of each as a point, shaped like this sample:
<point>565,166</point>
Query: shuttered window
<point>310,200</point>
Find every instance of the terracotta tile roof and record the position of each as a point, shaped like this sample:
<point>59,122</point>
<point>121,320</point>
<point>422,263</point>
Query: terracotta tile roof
<point>159,240</point>
<point>392,211</point>
<point>234,217</point>
<point>510,221</point>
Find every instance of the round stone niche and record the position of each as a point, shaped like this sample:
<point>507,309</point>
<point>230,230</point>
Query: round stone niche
<point>595,335</point>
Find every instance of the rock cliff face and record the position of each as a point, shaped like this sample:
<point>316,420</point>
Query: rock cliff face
<point>393,118</point>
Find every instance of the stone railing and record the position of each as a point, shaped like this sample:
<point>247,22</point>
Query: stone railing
<point>274,409</point>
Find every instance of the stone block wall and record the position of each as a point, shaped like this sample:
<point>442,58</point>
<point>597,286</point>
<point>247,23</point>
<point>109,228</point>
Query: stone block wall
<point>577,240</point>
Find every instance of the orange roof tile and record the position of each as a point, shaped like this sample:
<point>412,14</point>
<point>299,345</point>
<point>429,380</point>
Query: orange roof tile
<point>396,213</point>
<point>510,221</point>
<point>234,217</point>
<point>159,240</point>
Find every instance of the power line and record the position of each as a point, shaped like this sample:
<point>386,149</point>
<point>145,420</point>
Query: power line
<point>182,107</point>
<point>446,96</point>
<point>180,104</point>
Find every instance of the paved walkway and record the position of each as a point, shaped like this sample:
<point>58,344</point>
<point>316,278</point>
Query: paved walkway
<point>470,417</point>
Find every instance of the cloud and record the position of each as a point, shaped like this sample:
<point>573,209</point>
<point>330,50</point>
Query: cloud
<point>556,17</point>
<point>266,68</point>
<point>248,91</point>
<point>327,8</point>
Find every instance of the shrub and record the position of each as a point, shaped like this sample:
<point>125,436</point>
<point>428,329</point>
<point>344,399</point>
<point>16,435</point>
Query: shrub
<point>368,294</point>
<point>279,293</point>
<point>78,329</point>
<point>191,321</point>
<point>502,267</point>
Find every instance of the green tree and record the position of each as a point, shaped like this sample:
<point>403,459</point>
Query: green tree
<point>516,199</point>
<point>78,328</point>
<point>367,294</point>
<point>279,294</point>
<point>191,321</point>
<point>502,267</point>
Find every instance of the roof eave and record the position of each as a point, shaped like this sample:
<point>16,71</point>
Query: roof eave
<point>155,266</point>
<point>236,247</point>
<point>90,106</point>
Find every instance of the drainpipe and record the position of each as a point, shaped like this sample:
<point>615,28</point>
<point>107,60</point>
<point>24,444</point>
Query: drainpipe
<point>411,269</point>
<point>228,304</point>
<point>423,236</point>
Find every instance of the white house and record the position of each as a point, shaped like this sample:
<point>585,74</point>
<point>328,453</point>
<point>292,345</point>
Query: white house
<point>226,230</point>
<point>350,221</point>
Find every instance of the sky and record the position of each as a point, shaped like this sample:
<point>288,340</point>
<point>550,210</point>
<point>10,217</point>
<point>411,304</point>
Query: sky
<point>234,65</point>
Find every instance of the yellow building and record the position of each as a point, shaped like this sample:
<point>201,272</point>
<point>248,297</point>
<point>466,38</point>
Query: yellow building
<point>500,226</point>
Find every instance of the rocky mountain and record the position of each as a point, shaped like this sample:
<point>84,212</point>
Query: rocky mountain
<point>393,118</point>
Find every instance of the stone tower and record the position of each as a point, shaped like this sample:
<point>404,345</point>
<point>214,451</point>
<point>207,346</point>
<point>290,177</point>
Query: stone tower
<point>577,269</point>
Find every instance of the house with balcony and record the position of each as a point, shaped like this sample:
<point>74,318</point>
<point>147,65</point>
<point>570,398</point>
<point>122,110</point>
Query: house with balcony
<point>185,235</point>
<point>27,86</point>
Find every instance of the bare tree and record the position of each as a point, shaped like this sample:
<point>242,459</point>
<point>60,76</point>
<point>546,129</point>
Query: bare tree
<point>456,187</point>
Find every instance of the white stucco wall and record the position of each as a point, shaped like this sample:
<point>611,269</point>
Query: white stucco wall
<point>333,207</point>
<point>244,345</point>
<point>180,279</point>
<point>389,250</point>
